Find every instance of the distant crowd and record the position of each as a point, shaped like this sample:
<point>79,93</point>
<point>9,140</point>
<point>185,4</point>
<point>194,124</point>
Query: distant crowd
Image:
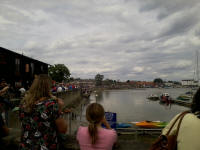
<point>63,87</point>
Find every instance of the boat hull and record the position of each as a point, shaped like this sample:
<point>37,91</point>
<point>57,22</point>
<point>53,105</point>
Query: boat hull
<point>151,124</point>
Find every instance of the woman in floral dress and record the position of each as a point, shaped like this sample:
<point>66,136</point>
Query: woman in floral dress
<point>40,117</point>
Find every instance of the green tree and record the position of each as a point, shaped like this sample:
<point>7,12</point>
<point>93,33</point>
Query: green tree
<point>71,79</point>
<point>99,79</point>
<point>108,82</point>
<point>158,81</point>
<point>59,72</point>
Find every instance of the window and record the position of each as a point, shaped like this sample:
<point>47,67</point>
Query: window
<point>27,68</point>
<point>2,59</point>
<point>17,65</point>
<point>42,69</point>
<point>32,68</point>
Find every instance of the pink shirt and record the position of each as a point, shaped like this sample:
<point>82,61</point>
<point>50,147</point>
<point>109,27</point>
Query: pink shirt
<point>105,141</point>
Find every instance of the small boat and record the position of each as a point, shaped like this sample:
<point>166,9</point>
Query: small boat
<point>153,97</point>
<point>124,125</point>
<point>150,124</point>
<point>165,94</point>
<point>184,97</point>
<point>189,93</point>
<point>165,98</point>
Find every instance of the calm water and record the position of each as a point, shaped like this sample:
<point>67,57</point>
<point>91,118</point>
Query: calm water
<point>132,105</point>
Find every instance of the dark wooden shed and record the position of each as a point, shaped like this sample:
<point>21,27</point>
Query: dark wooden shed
<point>19,70</point>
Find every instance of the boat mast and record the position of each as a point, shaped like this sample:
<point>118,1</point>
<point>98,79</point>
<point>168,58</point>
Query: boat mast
<point>197,67</point>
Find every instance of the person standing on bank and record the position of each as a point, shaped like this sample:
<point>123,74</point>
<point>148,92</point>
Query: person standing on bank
<point>94,137</point>
<point>40,117</point>
<point>189,132</point>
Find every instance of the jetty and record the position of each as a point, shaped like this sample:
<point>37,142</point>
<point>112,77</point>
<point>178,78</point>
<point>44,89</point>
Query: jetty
<point>139,131</point>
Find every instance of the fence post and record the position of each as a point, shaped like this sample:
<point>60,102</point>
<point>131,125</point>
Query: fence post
<point>70,123</point>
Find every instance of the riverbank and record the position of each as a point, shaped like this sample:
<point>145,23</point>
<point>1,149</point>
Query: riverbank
<point>130,105</point>
<point>130,88</point>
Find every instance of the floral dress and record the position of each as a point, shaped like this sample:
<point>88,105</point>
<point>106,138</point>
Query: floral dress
<point>38,127</point>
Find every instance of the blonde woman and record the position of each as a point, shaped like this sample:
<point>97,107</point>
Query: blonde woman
<point>40,117</point>
<point>94,137</point>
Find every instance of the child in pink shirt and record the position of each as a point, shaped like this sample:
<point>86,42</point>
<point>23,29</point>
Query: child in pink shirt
<point>94,137</point>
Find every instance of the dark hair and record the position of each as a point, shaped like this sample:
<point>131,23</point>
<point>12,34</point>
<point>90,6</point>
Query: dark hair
<point>196,102</point>
<point>2,80</point>
<point>94,115</point>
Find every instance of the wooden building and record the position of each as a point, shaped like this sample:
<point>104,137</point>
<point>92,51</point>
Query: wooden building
<point>19,70</point>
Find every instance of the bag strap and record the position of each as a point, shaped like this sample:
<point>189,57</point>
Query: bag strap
<point>179,124</point>
<point>180,116</point>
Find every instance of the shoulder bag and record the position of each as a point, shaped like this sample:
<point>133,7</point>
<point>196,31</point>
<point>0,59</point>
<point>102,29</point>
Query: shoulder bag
<point>169,142</point>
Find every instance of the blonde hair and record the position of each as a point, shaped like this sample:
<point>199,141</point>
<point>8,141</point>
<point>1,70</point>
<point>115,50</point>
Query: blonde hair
<point>94,115</point>
<point>40,88</point>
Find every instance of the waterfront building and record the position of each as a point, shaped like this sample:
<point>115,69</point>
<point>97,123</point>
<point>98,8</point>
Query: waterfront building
<point>189,82</point>
<point>19,70</point>
<point>84,83</point>
<point>142,84</point>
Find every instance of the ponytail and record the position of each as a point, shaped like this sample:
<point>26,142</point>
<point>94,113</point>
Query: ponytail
<point>92,128</point>
<point>94,115</point>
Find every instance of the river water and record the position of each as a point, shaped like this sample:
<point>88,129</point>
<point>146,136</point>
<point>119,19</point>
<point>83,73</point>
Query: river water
<point>133,105</point>
<point>130,105</point>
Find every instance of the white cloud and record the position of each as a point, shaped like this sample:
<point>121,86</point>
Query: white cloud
<point>122,39</point>
<point>4,21</point>
<point>184,63</point>
<point>138,69</point>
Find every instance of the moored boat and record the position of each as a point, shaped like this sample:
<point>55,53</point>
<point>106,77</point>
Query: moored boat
<point>184,97</point>
<point>189,93</point>
<point>165,98</point>
<point>150,124</point>
<point>153,97</point>
<point>123,125</point>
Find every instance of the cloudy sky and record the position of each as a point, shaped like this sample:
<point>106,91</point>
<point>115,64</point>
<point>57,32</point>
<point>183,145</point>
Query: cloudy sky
<point>121,39</point>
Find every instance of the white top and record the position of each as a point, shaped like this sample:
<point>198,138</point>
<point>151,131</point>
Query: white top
<point>165,94</point>
<point>189,132</point>
<point>59,89</point>
<point>22,90</point>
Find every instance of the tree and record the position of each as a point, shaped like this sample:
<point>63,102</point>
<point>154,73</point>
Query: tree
<point>71,79</point>
<point>158,81</point>
<point>99,79</point>
<point>59,72</point>
<point>108,82</point>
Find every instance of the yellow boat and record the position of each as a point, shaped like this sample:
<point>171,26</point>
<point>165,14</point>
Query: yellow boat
<point>150,124</point>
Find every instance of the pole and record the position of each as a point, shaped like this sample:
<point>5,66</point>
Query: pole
<point>197,71</point>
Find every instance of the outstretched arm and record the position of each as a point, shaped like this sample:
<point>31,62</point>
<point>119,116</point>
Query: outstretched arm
<point>4,90</point>
<point>105,122</point>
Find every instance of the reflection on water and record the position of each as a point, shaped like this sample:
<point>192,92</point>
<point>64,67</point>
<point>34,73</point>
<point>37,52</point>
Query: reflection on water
<point>132,105</point>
